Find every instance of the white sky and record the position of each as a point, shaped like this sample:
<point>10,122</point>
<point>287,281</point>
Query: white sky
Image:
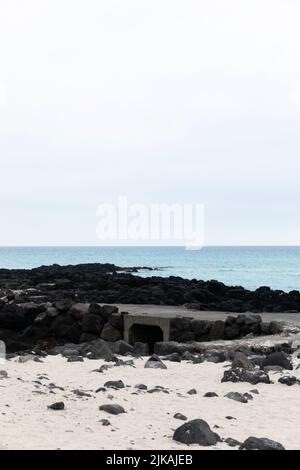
<point>160,100</point>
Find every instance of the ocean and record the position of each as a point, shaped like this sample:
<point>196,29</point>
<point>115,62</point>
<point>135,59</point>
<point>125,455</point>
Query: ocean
<point>250,267</point>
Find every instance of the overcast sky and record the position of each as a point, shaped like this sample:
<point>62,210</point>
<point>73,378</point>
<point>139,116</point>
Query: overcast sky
<point>160,100</point>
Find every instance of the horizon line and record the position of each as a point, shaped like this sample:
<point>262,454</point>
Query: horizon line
<point>150,246</point>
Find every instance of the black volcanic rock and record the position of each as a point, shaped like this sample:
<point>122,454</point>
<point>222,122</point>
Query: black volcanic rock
<point>154,362</point>
<point>58,304</point>
<point>112,409</point>
<point>180,416</point>
<point>278,359</point>
<point>288,380</point>
<point>242,375</point>
<point>255,443</point>
<point>57,406</point>
<point>13,317</point>
<point>92,324</point>
<point>116,384</point>
<point>236,396</point>
<point>196,431</point>
<point>100,283</point>
<point>241,361</point>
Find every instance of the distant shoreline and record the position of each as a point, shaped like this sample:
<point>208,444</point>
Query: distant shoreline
<point>109,283</point>
<point>250,267</point>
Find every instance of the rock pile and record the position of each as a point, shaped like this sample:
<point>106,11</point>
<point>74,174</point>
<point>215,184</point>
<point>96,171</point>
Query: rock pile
<point>105,283</point>
<point>55,305</point>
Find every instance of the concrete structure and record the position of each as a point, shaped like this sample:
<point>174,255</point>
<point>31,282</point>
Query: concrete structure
<point>132,322</point>
<point>149,327</point>
<point>151,323</point>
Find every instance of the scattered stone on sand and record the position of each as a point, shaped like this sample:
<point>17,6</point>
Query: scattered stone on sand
<point>105,422</point>
<point>3,374</point>
<point>232,442</point>
<point>52,386</point>
<point>193,391</point>
<point>75,359</point>
<point>255,443</point>
<point>180,416</point>
<point>230,418</point>
<point>112,409</point>
<point>115,384</point>
<point>210,394</point>
<point>141,387</point>
<point>196,431</point>
<point>57,406</point>
<point>241,375</point>
<point>254,390</point>
<point>81,393</point>
<point>27,357</point>
<point>288,380</point>
<point>236,396</point>
<point>154,362</point>
<point>129,363</point>
<point>103,368</point>
<point>154,390</point>
<point>248,396</point>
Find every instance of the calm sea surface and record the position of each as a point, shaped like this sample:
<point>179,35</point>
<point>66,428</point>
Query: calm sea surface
<point>251,267</point>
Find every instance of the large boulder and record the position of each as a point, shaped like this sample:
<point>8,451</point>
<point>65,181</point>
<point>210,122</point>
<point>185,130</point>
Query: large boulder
<point>103,311</point>
<point>117,321</point>
<point>121,347</point>
<point>78,310</point>
<point>13,317</point>
<point>201,328</point>
<point>92,324</point>
<point>196,431</point>
<point>109,333</point>
<point>249,324</point>
<point>61,325</point>
<point>232,331</point>
<point>141,349</point>
<point>74,333</point>
<point>181,330</point>
<point>87,338</point>
<point>241,361</point>
<point>63,306</point>
<point>99,349</point>
<point>217,330</point>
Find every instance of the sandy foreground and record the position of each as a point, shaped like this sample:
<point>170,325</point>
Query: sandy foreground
<point>27,423</point>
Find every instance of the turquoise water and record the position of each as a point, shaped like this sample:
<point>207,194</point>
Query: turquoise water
<point>251,267</point>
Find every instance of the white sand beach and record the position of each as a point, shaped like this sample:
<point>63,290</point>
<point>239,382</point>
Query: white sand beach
<point>27,423</point>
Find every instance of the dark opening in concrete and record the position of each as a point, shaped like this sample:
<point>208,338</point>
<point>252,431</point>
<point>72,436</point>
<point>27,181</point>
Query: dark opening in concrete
<point>145,334</point>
